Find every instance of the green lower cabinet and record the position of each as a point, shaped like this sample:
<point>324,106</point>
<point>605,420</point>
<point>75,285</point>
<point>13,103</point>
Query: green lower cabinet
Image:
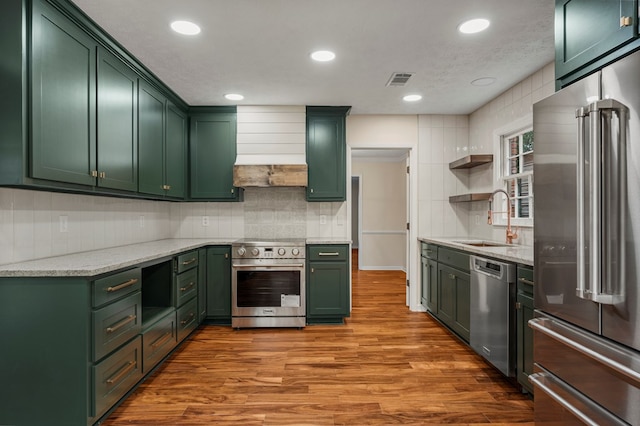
<point>327,284</point>
<point>219,284</point>
<point>202,284</point>
<point>454,303</point>
<point>524,338</point>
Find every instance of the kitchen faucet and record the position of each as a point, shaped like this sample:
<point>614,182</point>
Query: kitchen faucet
<point>510,233</point>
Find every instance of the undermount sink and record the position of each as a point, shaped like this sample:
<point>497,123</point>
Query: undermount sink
<point>482,243</point>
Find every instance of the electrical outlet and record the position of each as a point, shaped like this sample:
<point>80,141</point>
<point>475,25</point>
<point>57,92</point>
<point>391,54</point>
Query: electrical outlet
<point>141,220</point>
<point>323,219</point>
<point>64,223</point>
<point>205,220</point>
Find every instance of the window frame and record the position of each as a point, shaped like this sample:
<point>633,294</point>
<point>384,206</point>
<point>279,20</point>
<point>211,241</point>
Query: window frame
<point>519,126</point>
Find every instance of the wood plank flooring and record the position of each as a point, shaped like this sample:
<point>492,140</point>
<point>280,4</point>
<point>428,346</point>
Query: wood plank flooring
<point>386,365</point>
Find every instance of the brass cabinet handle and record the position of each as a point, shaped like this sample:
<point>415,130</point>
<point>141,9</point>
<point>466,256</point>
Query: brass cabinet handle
<point>188,320</point>
<point>626,21</point>
<point>121,324</point>
<point>187,287</point>
<point>189,262</point>
<point>120,374</point>
<point>526,281</point>
<point>334,253</point>
<point>161,340</point>
<point>125,284</point>
<point>518,305</point>
<point>102,175</point>
<point>94,173</point>
<point>453,277</point>
<point>166,187</point>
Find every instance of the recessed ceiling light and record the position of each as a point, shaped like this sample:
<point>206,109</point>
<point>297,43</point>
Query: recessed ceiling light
<point>185,27</point>
<point>474,26</point>
<point>234,97</point>
<point>484,81</point>
<point>323,56</point>
<point>412,98</point>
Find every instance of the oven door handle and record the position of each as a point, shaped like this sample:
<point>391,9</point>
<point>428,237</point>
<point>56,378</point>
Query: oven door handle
<point>281,265</point>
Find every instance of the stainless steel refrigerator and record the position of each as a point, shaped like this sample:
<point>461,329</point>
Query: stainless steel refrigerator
<point>587,250</point>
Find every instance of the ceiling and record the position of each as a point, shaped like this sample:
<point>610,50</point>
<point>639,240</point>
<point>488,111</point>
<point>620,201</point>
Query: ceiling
<point>260,48</point>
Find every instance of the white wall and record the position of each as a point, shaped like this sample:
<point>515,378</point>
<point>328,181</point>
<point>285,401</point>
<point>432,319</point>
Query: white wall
<point>383,245</point>
<point>513,105</point>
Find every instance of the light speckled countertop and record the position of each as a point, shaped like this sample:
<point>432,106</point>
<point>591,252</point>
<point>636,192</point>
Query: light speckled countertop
<point>96,262</point>
<point>513,253</point>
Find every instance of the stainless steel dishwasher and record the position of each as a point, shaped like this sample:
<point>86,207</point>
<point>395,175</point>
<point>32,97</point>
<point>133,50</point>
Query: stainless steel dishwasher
<point>492,330</point>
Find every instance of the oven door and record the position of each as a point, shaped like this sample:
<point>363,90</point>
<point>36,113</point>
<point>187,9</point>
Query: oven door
<point>268,288</point>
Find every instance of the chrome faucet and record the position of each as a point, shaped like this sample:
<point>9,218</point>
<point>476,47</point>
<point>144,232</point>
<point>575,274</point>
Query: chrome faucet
<point>510,233</point>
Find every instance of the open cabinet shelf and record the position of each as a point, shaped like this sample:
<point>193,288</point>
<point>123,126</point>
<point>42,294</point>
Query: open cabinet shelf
<point>471,161</point>
<point>465,198</point>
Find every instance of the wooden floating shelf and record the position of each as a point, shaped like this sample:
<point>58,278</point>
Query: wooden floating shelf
<point>471,161</point>
<point>465,198</point>
<point>270,175</point>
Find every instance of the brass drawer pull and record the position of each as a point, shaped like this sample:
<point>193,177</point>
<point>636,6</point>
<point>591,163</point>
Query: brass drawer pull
<point>453,277</point>
<point>121,324</point>
<point>161,340</point>
<point>187,287</point>
<point>189,262</point>
<point>334,253</point>
<point>526,281</point>
<point>129,283</point>
<point>120,374</point>
<point>188,320</point>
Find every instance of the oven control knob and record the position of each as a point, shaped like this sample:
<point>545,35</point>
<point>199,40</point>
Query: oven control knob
<point>281,251</point>
<point>241,251</point>
<point>295,252</point>
<point>255,251</point>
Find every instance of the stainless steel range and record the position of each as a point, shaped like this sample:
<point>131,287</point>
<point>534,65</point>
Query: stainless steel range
<point>268,283</point>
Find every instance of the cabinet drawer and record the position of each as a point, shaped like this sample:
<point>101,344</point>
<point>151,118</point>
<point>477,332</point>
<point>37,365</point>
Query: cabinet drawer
<point>187,261</point>
<point>158,340</point>
<point>115,286</point>
<point>329,252</point>
<point>186,286</point>
<point>525,276</point>
<point>429,250</point>
<point>115,324</point>
<point>453,258</point>
<point>187,318</point>
<point>113,377</point>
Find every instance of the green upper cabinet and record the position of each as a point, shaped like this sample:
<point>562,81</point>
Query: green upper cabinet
<point>63,99</point>
<point>326,153</point>
<point>175,166</point>
<point>212,146</point>
<point>117,101</point>
<point>588,31</point>
<point>162,144</point>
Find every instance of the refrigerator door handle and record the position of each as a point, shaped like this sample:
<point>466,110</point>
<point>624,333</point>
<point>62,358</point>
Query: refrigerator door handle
<point>601,217</point>
<point>617,359</point>
<point>585,410</point>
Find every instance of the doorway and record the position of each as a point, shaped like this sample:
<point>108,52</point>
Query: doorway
<point>380,208</point>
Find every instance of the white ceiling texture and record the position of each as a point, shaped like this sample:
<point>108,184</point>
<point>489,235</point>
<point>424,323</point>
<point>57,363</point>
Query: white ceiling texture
<point>260,48</point>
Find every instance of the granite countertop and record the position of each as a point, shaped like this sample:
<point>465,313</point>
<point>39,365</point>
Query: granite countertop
<point>512,253</point>
<point>96,262</point>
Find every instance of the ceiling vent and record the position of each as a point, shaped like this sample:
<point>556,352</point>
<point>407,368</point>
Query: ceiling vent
<point>399,79</point>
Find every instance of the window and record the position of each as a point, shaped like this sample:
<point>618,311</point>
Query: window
<point>514,174</point>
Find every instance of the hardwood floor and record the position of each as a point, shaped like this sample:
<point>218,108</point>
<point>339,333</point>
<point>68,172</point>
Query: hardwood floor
<point>386,365</point>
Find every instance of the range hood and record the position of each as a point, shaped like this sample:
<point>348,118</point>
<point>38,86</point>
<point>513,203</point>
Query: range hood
<point>266,175</point>
<point>270,146</point>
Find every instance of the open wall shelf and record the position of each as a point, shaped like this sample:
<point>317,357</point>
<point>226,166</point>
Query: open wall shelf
<point>471,161</point>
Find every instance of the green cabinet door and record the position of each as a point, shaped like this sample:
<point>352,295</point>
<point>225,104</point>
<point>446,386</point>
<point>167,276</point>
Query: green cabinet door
<point>212,145</point>
<point>326,153</point>
<point>117,106</point>
<point>432,286</point>
<point>202,284</point>
<point>454,299</point>
<point>587,30</point>
<point>175,152</point>
<point>219,284</point>
<point>151,108</point>
<point>63,83</point>
<point>524,334</point>
<point>424,281</point>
